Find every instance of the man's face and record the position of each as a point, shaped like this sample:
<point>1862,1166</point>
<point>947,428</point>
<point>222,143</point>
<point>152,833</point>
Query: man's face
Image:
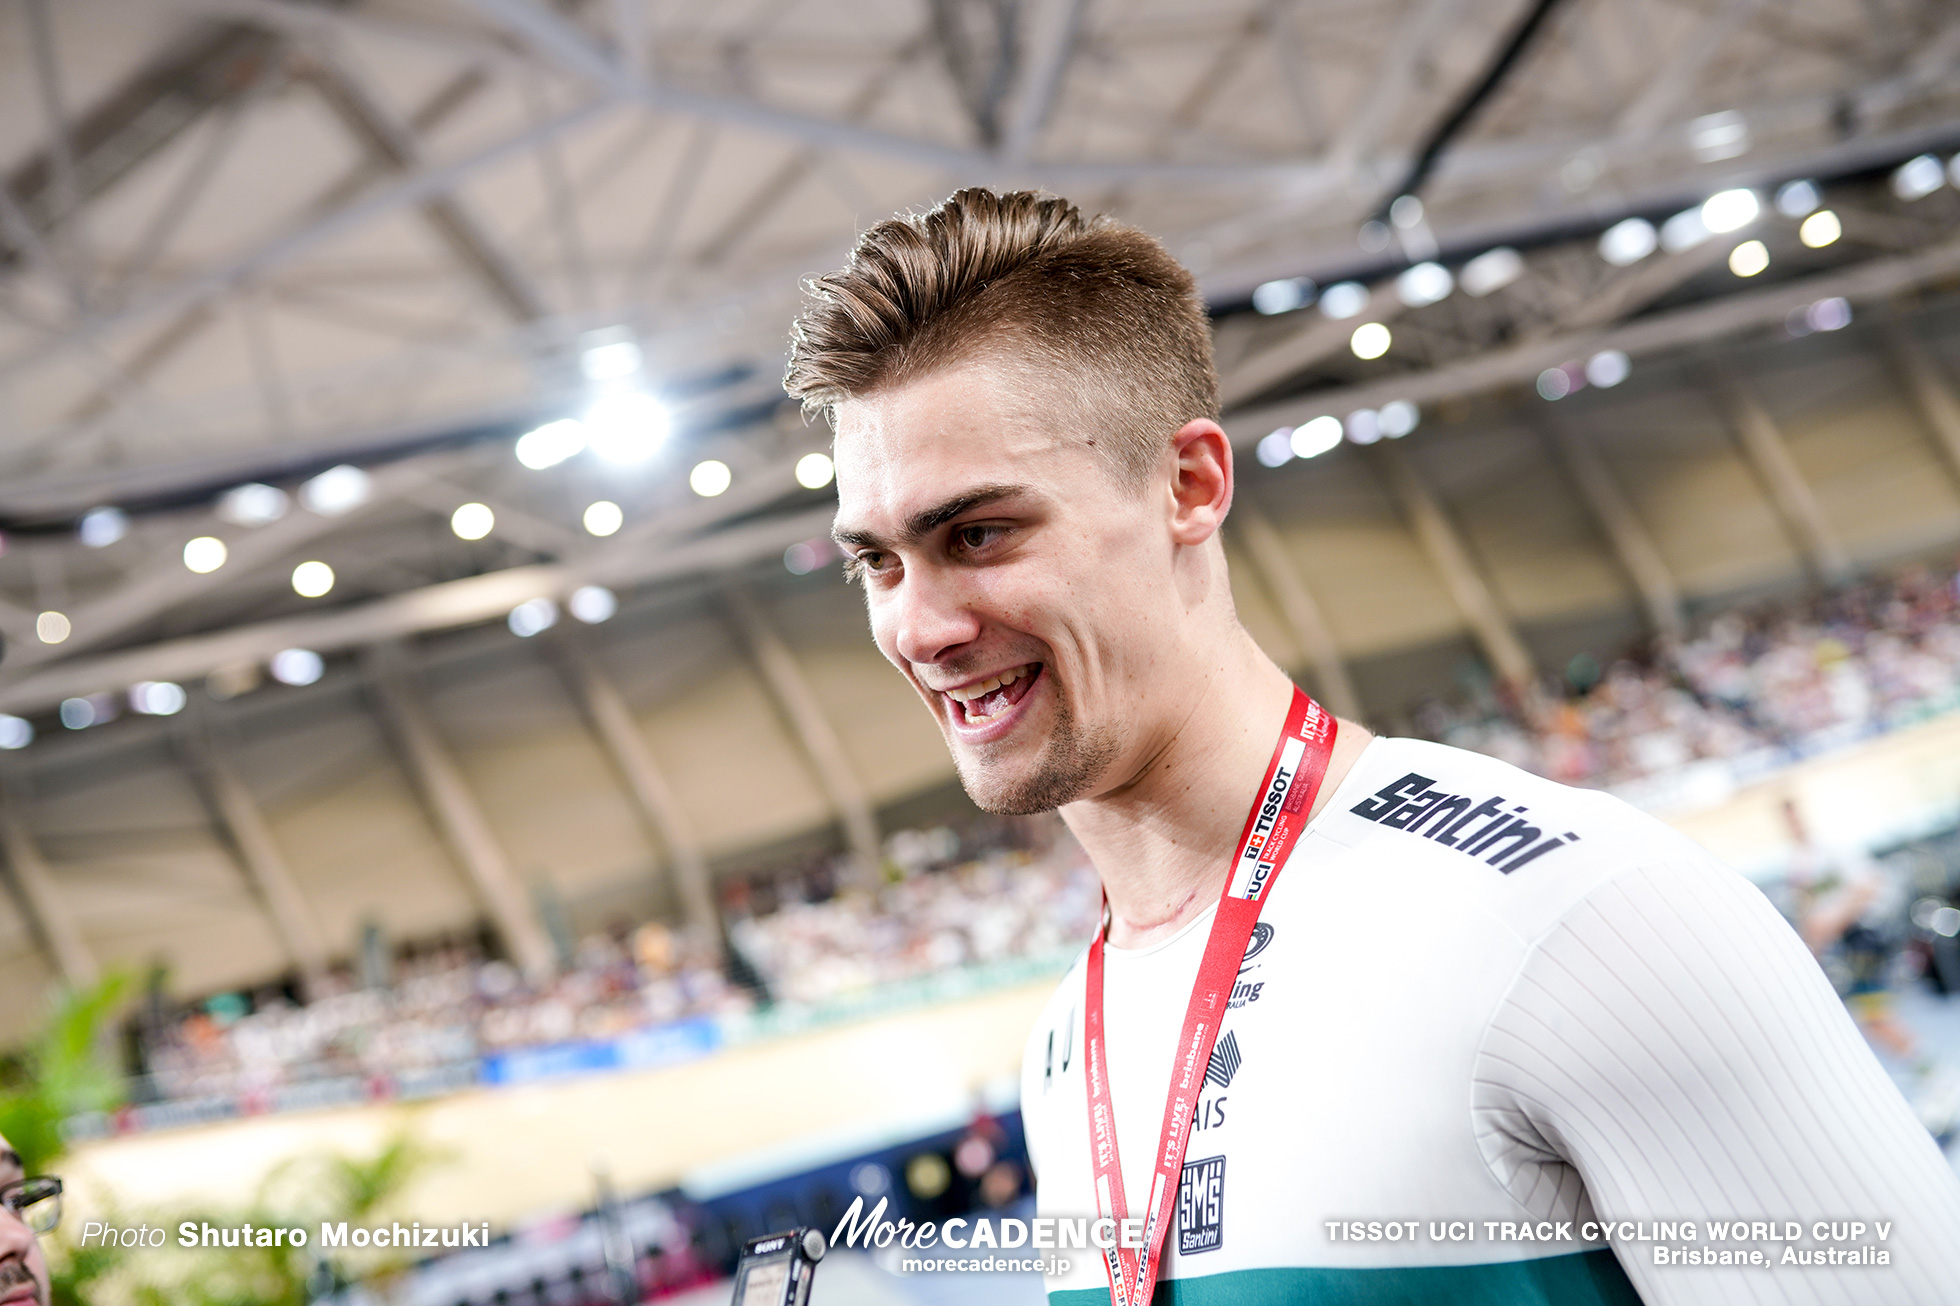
<point>23,1272</point>
<point>1011,576</point>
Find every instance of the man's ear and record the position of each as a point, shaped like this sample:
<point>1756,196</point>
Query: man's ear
<point>1201,480</point>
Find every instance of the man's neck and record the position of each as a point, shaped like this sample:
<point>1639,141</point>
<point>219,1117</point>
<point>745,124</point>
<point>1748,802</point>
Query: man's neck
<point>1162,841</point>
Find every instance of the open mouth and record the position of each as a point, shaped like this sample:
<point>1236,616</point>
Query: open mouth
<point>982,701</point>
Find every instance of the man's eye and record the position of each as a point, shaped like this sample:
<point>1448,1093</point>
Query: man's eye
<point>974,537</point>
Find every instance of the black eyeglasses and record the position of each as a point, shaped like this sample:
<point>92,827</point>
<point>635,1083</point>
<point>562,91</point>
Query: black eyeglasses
<point>36,1201</point>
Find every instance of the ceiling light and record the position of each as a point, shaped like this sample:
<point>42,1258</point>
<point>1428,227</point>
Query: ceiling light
<point>205,554</point>
<point>805,556</point>
<point>1796,198</point>
<point>814,470</point>
<point>1684,231</point>
<point>53,627</point>
<point>1749,258</point>
<point>1554,383</point>
<point>297,666</point>
<point>1370,340</point>
<point>603,518</point>
<point>611,361</point>
<point>101,527</point>
<point>1491,271</point>
<point>1364,426</point>
<point>1608,368</point>
<point>1717,136</point>
<point>253,504</point>
<point>627,427</point>
<point>1283,296</point>
<point>1627,242</point>
<point>15,732</point>
<point>592,604</point>
<point>1373,236</point>
<point>1833,314</point>
<point>472,521</point>
<point>1406,212</point>
<point>312,579</point>
<point>1730,210</point>
<point>336,491</point>
<point>1343,300</point>
<point>1311,439</point>
<point>1398,417</point>
<point>1820,229</point>
<point>532,616</point>
<point>1917,178</point>
<point>1275,449</point>
<point>156,698</point>
<point>77,713</point>
<point>1424,284</point>
<point>551,444</point>
<point>710,477</point>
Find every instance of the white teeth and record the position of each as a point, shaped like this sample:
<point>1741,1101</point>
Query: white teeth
<point>968,693</point>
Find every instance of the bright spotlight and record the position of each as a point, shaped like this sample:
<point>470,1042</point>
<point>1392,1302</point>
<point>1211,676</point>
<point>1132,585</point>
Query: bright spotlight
<point>1730,210</point>
<point>1749,258</point>
<point>1311,439</point>
<point>472,521</point>
<point>156,698</point>
<point>205,554</point>
<point>1684,231</point>
<point>1370,340</point>
<point>297,666</point>
<point>336,491</point>
<point>710,477</point>
<point>532,616</point>
<point>1628,241</point>
<point>592,604</point>
<point>1364,426</point>
<point>53,627</point>
<point>1424,284</point>
<point>1820,229</point>
<point>1554,383</point>
<point>814,470</point>
<point>1608,368</point>
<point>1491,271</point>
<point>77,713</point>
<point>603,518</point>
<point>15,732</point>
<point>627,427</point>
<point>1406,212</point>
<point>1398,417</point>
<point>101,527</point>
<point>312,579</point>
<point>1917,178</point>
<point>1276,449</point>
<point>253,504</point>
<point>1343,300</point>
<point>1283,296</point>
<point>551,444</point>
<point>612,361</point>
<point>1833,314</point>
<point>1796,198</point>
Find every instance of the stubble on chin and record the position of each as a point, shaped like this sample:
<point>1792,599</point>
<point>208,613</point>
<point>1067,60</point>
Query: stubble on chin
<point>1071,761</point>
<point>13,1273</point>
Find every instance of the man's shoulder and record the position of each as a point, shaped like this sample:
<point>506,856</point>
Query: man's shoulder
<point>1528,846</point>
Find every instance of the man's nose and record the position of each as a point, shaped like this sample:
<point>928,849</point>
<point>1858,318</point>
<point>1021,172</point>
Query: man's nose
<point>16,1239</point>
<point>930,617</point>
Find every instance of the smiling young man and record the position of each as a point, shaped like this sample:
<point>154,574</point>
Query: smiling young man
<point>1415,1040</point>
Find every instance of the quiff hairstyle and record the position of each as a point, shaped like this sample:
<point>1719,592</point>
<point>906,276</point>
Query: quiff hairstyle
<point>1013,279</point>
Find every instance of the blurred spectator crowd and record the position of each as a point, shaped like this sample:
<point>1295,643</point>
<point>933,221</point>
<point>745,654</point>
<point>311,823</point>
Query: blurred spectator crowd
<point>1762,686</point>
<point>997,891</point>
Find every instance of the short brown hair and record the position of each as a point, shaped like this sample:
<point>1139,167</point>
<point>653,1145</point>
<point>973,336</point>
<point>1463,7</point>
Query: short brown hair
<point>1104,303</point>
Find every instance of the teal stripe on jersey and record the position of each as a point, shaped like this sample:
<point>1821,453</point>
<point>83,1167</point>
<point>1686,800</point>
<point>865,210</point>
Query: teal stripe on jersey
<point>1579,1279</point>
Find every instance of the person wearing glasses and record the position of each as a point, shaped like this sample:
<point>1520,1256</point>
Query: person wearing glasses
<point>28,1209</point>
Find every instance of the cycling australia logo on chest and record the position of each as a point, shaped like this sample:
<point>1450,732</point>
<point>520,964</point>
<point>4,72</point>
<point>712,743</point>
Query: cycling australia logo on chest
<point>1246,989</point>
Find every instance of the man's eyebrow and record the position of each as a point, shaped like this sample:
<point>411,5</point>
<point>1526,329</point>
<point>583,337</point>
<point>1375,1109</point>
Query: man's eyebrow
<point>927,520</point>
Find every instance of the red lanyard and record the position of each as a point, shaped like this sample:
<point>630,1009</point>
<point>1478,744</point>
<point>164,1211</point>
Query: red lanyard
<point>1278,815</point>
